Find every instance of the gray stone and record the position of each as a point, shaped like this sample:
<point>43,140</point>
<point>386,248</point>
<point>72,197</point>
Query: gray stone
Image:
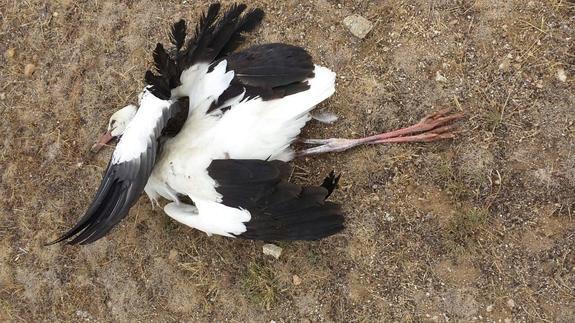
<point>358,25</point>
<point>272,250</point>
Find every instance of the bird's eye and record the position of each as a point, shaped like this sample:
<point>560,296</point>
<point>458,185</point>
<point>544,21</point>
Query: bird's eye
<point>112,123</point>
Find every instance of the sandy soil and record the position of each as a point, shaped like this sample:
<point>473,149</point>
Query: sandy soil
<point>478,228</point>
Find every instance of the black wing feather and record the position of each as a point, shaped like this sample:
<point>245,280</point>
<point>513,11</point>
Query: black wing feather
<point>247,24</point>
<point>121,186</point>
<point>330,182</point>
<point>280,210</point>
<point>214,37</point>
<point>271,65</point>
<point>168,74</point>
<point>270,71</point>
<point>197,45</point>
<point>223,31</point>
<point>178,34</point>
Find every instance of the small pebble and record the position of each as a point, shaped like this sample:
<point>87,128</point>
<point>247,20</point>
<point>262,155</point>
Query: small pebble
<point>296,280</point>
<point>439,77</point>
<point>505,65</point>
<point>489,308</point>
<point>510,303</point>
<point>174,255</point>
<point>272,250</point>
<point>2,96</point>
<point>29,69</point>
<point>10,53</point>
<point>358,25</point>
<point>561,75</point>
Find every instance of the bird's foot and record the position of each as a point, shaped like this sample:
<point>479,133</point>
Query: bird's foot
<point>436,126</point>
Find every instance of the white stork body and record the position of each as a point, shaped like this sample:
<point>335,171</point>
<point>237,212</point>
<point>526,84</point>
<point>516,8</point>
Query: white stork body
<point>244,110</point>
<point>251,129</point>
<point>215,126</point>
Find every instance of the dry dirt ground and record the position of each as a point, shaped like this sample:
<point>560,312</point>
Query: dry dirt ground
<point>478,228</point>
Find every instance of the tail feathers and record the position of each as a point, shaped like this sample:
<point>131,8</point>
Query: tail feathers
<point>330,182</point>
<point>298,105</point>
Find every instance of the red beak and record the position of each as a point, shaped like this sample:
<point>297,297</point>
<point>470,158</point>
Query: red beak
<point>102,142</point>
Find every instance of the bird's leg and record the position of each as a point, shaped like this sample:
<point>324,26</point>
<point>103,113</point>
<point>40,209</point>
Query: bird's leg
<point>431,128</point>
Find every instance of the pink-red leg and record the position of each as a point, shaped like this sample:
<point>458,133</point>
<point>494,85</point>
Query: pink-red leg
<point>431,128</point>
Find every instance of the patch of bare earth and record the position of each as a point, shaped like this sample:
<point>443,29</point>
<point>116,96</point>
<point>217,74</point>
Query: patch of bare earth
<point>481,227</point>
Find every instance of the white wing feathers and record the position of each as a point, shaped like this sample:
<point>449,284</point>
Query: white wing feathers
<point>229,221</point>
<point>261,129</point>
<point>199,85</point>
<point>135,139</point>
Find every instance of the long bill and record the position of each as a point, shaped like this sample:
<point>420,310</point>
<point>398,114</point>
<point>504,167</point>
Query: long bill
<point>104,139</point>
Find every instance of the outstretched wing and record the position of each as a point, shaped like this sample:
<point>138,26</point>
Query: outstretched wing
<point>215,36</point>
<point>128,170</point>
<point>279,210</point>
<point>269,71</point>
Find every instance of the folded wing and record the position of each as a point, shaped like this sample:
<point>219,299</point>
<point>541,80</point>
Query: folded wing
<point>128,170</point>
<point>279,210</point>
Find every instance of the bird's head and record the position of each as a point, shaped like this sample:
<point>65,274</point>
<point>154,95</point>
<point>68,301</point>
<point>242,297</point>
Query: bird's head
<point>116,126</point>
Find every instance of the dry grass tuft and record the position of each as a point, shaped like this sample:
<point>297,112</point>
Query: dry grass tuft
<point>464,228</point>
<point>260,285</point>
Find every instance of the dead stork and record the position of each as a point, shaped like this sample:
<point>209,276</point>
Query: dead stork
<point>213,135</point>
